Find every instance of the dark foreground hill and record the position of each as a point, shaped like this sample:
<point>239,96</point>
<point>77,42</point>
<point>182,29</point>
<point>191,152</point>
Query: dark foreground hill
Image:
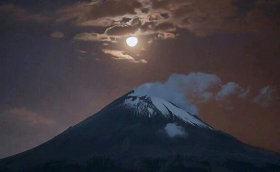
<point>141,133</point>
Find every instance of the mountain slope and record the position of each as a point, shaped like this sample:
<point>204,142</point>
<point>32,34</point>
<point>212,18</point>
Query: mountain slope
<point>142,133</point>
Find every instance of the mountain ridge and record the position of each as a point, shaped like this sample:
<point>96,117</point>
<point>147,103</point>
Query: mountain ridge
<point>124,137</point>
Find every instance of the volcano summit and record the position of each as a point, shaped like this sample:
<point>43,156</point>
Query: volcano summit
<point>142,133</point>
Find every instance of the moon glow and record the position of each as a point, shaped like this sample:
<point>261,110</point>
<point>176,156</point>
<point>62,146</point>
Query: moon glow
<point>132,41</point>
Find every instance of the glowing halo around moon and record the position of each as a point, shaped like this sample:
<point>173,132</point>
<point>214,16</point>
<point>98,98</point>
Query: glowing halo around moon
<point>132,41</point>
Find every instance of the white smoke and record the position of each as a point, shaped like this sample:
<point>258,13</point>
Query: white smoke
<point>266,96</point>
<point>172,130</point>
<point>232,88</point>
<point>160,90</point>
<point>202,87</point>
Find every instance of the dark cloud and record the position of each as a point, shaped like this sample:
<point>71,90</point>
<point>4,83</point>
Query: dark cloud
<point>169,27</point>
<point>126,17</point>
<point>110,9</point>
<point>262,20</point>
<point>158,4</point>
<point>84,12</point>
<point>223,16</point>
<point>134,27</point>
<point>21,14</point>
<point>155,16</point>
<point>166,35</point>
<point>183,11</point>
<point>136,21</point>
<point>121,30</point>
<point>145,10</point>
<point>206,17</point>
<point>201,16</point>
<point>121,18</point>
<point>125,20</point>
<point>147,26</point>
<point>165,15</point>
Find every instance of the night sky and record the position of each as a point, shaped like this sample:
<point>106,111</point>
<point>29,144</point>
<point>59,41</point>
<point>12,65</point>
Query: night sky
<point>64,60</point>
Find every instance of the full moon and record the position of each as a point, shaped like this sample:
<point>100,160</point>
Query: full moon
<point>131,41</point>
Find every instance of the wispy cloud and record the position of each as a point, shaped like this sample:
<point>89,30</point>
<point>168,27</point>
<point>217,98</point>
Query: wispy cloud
<point>22,129</point>
<point>25,116</point>
<point>82,51</point>
<point>93,37</point>
<point>120,55</point>
<point>57,34</point>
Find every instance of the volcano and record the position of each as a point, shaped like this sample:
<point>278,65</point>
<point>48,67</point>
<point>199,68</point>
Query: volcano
<point>142,133</point>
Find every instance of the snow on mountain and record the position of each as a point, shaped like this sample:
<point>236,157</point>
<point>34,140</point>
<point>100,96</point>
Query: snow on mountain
<point>151,106</point>
<point>164,92</point>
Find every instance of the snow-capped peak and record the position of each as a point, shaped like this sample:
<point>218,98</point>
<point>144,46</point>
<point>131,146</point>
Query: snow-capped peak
<point>152,106</point>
